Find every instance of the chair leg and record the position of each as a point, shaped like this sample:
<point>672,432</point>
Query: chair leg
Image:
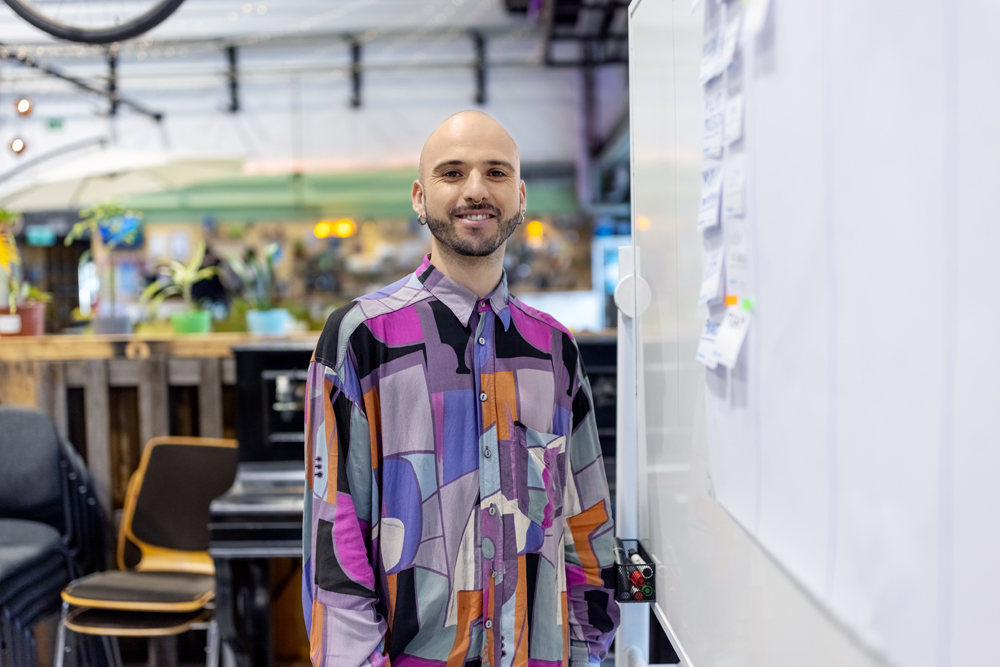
<point>116,652</point>
<point>61,637</point>
<point>213,644</point>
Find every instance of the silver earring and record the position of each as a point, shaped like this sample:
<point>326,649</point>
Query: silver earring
<point>520,218</point>
<point>422,220</point>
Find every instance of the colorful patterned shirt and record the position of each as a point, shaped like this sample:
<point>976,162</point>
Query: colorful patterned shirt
<point>457,508</point>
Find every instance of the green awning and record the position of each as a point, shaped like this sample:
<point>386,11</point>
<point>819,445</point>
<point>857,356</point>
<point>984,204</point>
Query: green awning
<point>301,197</point>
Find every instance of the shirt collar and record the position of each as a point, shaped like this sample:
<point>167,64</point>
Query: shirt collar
<point>460,300</point>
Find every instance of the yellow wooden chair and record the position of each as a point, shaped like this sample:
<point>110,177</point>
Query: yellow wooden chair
<point>165,584</point>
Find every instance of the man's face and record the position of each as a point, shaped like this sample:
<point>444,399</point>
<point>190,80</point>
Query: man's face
<point>470,188</point>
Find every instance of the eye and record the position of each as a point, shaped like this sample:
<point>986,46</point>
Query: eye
<point>496,173</point>
<point>451,174</point>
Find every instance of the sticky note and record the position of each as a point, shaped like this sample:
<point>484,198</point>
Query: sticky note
<point>734,190</point>
<point>711,194</point>
<point>712,131</point>
<point>706,344</point>
<point>712,283</point>
<point>731,335</point>
<point>734,120</point>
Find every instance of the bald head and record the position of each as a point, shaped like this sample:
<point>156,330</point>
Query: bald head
<point>468,131</point>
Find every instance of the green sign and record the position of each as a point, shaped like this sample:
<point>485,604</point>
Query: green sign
<point>54,123</point>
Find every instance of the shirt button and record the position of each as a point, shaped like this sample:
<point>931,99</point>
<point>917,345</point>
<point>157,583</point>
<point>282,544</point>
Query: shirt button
<point>482,396</point>
<point>489,624</point>
<point>486,452</point>
<point>482,341</point>
<point>493,510</point>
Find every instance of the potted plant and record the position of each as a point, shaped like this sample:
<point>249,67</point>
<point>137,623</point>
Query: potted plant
<point>177,279</point>
<point>109,225</point>
<point>255,273</point>
<point>24,313</point>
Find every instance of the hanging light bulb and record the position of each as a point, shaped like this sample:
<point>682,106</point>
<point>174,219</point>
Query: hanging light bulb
<point>17,146</point>
<point>24,106</point>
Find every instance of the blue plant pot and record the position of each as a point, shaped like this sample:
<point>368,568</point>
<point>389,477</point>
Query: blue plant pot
<point>272,322</point>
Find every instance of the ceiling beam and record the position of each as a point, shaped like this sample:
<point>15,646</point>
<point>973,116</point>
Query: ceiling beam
<point>110,92</point>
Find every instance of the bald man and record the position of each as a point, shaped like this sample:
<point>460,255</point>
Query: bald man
<point>457,511</point>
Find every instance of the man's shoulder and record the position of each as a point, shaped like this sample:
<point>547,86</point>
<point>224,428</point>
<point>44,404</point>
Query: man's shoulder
<point>540,317</point>
<point>344,322</point>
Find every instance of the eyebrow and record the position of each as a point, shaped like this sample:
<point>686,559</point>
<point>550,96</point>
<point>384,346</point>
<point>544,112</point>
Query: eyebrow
<point>459,163</point>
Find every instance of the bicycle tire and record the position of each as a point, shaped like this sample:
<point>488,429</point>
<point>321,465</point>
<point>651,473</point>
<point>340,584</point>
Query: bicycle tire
<point>140,24</point>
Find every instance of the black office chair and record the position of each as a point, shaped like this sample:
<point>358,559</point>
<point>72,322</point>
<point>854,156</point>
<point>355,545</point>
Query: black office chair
<point>165,584</point>
<point>51,527</point>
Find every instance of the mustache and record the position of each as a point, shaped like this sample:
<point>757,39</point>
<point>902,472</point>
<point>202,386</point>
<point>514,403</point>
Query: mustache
<point>472,207</point>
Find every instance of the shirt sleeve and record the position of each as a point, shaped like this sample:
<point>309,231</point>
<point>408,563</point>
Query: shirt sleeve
<point>590,573</point>
<point>340,604</point>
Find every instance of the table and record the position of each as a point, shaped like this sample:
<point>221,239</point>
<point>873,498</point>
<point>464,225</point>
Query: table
<point>259,518</point>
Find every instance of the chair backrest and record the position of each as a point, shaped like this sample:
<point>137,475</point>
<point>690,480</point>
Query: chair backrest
<point>30,473</point>
<point>165,521</point>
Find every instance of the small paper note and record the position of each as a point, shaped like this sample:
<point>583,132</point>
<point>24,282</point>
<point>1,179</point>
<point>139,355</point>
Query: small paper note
<point>715,113</point>
<point>734,197</point>
<point>712,284</point>
<point>730,337</point>
<point>734,119</point>
<point>710,51</point>
<point>711,194</point>
<point>737,258</point>
<point>730,39</point>
<point>706,345</point>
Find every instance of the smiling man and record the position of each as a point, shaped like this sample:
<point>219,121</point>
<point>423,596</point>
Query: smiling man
<point>457,511</point>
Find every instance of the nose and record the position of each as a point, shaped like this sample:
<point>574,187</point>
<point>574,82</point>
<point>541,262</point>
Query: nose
<point>475,188</point>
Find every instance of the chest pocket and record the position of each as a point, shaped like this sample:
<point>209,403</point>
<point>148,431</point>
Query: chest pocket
<point>543,457</point>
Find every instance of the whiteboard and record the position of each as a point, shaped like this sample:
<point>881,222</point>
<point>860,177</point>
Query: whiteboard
<point>830,501</point>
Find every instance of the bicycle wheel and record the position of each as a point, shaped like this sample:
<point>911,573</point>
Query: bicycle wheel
<point>94,21</point>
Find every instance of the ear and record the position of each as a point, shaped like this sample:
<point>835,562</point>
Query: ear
<point>524,198</point>
<point>417,197</point>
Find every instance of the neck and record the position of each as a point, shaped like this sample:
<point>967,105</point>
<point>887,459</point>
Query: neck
<point>479,275</point>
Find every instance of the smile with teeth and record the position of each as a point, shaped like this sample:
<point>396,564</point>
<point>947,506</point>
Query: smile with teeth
<point>476,217</point>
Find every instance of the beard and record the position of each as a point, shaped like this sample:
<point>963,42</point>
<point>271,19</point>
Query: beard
<point>476,244</point>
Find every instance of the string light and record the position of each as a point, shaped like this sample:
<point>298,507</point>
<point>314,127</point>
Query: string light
<point>24,106</point>
<point>344,228</point>
<point>322,229</point>
<point>17,146</point>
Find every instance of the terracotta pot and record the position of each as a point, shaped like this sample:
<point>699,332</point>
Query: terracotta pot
<point>28,321</point>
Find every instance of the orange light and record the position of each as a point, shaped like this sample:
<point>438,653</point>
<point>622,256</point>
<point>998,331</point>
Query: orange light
<point>535,229</point>
<point>322,229</point>
<point>23,106</point>
<point>17,146</point>
<point>732,299</point>
<point>344,228</point>
<point>642,222</point>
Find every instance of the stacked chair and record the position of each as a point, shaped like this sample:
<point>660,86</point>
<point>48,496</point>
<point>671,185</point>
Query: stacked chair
<point>165,583</point>
<point>51,527</point>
